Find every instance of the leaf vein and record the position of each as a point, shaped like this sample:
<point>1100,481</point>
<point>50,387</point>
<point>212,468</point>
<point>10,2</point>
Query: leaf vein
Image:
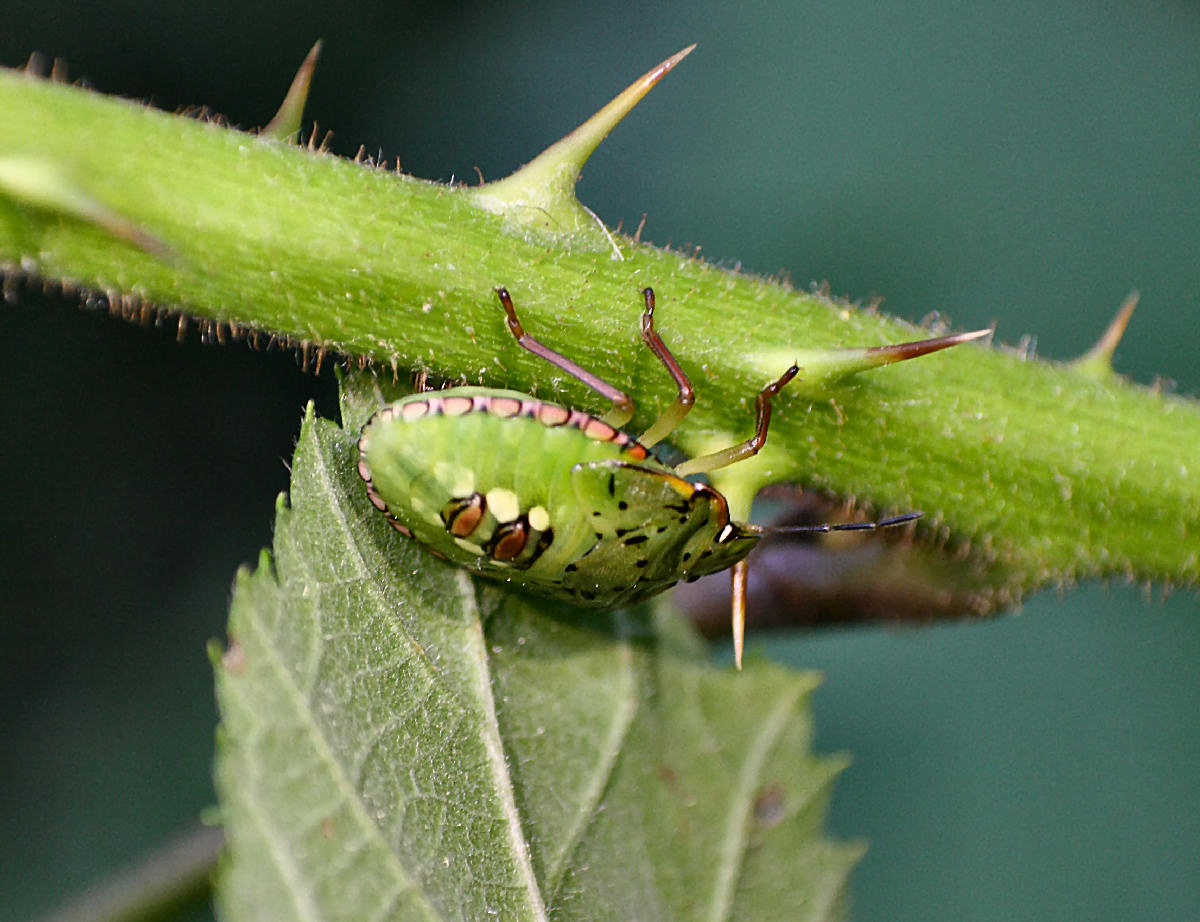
<point>494,747</point>
<point>742,803</point>
<point>325,755</point>
<point>593,793</point>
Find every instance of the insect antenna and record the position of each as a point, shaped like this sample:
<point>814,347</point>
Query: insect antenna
<point>741,570</point>
<point>825,527</point>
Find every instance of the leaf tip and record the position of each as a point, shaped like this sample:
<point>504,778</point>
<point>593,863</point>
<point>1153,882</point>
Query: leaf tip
<point>215,650</point>
<point>232,659</point>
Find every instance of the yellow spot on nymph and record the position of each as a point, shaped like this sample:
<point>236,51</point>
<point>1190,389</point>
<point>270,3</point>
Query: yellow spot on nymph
<point>503,504</point>
<point>468,546</point>
<point>539,518</point>
<point>457,478</point>
<point>684,488</point>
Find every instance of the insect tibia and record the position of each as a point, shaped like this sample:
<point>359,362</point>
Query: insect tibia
<point>752,445</point>
<point>675,413</point>
<point>622,404</point>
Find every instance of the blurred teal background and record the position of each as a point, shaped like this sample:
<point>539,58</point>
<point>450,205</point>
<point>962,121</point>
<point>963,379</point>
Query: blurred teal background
<point>1027,162</point>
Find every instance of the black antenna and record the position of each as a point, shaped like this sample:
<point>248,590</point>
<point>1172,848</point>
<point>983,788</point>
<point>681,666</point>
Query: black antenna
<point>841,526</point>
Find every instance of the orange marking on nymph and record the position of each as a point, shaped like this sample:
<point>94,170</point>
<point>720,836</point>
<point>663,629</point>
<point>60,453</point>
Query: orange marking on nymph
<point>512,542</point>
<point>549,414</point>
<point>465,521</point>
<point>599,430</point>
<point>466,517</point>
<point>457,406</point>
<point>376,500</point>
<point>414,410</point>
<point>637,449</point>
<point>504,406</point>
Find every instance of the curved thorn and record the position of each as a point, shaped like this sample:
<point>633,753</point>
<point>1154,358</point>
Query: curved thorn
<point>542,192</point>
<point>1097,361</point>
<point>577,146</point>
<point>286,122</point>
<point>824,365</point>
<point>900,352</point>
<point>41,184</point>
<point>36,65</point>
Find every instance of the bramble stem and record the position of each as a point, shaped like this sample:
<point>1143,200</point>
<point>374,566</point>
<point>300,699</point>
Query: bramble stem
<point>1051,473</point>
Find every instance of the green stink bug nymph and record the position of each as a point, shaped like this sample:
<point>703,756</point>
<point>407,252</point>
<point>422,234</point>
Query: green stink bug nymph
<point>555,500</point>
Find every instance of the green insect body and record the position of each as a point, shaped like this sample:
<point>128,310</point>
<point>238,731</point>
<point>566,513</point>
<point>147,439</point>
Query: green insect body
<point>553,500</point>
<point>563,503</point>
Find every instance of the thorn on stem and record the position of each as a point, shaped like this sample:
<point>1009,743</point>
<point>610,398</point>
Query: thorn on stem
<point>286,123</point>
<point>1097,361</point>
<point>542,193</point>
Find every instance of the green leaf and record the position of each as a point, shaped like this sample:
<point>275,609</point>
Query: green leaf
<point>398,741</point>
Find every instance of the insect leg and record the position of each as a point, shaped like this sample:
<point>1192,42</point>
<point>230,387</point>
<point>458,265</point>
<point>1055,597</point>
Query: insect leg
<point>752,445</point>
<point>675,413</point>
<point>622,410</point>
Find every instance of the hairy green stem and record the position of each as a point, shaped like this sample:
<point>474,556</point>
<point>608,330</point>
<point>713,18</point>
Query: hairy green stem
<point>1047,471</point>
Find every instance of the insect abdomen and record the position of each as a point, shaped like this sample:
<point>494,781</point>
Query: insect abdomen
<point>483,476</point>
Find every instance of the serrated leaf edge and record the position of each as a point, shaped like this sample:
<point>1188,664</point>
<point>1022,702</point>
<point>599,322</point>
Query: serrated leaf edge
<point>303,705</point>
